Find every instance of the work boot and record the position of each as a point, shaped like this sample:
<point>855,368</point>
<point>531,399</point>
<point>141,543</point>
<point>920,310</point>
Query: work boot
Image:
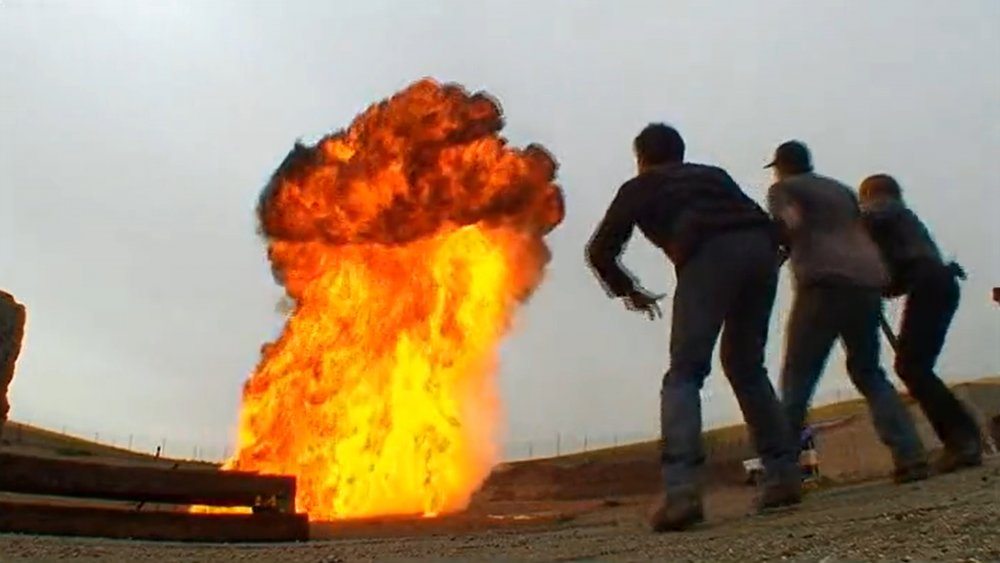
<point>677,515</point>
<point>780,495</point>
<point>952,460</point>
<point>911,473</point>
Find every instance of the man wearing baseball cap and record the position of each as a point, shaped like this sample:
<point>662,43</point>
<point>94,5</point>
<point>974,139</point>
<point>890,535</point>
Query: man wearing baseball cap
<point>839,276</point>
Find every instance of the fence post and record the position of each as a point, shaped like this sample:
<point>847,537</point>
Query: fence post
<point>585,440</point>
<point>853,455</point>
<point>531,450</point>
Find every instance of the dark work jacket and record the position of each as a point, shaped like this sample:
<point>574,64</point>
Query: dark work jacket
<point>904,242</point>
<point>677,207</point>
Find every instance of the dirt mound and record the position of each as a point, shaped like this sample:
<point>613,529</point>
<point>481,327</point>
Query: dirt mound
<point>591,479</point>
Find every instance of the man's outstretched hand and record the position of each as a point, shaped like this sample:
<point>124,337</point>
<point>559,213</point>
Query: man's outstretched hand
<point>643,301</point>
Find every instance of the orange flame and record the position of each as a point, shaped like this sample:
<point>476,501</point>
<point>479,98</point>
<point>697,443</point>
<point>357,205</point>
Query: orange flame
<point>405,243</point>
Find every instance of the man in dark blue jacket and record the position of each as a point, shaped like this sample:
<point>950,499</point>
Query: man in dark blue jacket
<point>725,256</point>
<point>930,285</point>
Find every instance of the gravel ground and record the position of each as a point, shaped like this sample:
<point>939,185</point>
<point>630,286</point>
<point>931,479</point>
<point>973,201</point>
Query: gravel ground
<point>949,518</point>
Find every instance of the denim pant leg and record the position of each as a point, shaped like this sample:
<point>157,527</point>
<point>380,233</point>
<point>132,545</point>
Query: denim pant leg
<point>927,316</point>
<point>860,332</point>
<point>810,334</point>
<point>699,307</point>
<point>744,338</point>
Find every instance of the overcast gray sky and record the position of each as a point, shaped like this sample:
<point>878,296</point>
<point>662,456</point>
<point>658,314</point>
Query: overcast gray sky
<point>135,137</point>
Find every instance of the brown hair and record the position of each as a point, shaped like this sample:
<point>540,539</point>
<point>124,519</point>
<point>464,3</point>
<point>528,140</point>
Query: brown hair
<point>659,143</point>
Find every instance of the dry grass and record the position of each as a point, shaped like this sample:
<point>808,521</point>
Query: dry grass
<point>31,440</point>
<point>714,437</point>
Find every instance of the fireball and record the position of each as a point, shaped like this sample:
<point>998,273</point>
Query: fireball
<point>405,245</point>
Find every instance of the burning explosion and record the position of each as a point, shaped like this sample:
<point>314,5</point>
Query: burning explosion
<point>404,244</point>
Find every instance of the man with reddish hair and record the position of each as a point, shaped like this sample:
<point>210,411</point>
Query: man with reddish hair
<point>932,295</point>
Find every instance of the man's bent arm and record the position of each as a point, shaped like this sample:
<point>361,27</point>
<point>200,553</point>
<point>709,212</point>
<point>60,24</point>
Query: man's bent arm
<point>777,203</point>
<point>880,224</point>
<point>609,240</point>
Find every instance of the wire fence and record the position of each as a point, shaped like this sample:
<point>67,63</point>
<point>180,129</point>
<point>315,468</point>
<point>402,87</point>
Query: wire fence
<point>567,443</point>
<point>69,440</point>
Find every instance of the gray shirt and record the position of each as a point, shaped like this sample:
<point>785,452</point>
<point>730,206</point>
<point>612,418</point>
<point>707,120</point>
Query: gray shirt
<point>827,240</point>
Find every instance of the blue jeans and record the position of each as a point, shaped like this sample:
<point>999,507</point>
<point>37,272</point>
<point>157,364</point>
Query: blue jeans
<point>821,314</point>
<point>930,307</point>
<point>728,286</point>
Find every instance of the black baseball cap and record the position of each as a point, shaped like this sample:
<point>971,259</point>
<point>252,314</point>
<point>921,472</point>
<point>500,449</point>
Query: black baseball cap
<point>794,154</point>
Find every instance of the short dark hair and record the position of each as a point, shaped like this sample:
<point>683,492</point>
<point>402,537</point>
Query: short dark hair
<point>882,184</point>
<point>659,143</point>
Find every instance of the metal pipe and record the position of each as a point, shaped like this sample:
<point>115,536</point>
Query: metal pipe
<point>889,334</point>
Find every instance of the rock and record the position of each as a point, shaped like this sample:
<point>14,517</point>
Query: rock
<point>12,318</point>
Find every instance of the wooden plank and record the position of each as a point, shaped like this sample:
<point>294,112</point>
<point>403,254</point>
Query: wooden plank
<point>42,519</point>
<point>80,479</point>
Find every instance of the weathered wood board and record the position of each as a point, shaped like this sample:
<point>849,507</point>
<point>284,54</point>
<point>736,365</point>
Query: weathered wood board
<point>57,477</point>
<point>82,495</point>
<point>43,519</point>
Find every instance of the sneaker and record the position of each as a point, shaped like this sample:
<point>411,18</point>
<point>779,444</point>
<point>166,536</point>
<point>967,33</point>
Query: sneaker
<point>780,495</point>
<point>677,515</point>
<point>911,473</point>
